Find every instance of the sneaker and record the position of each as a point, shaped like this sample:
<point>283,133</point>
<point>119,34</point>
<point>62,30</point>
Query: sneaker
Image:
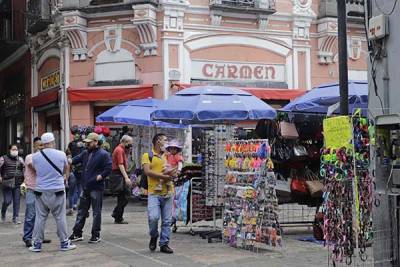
<point>75,207</point>
<point>75,238</point>
<point>28,243</point>
<point>153,244</point>
<point>166,249</point>
<point>36,247</point>
<point>66,245</point>
<point>16,221</point>
<point>3,219</point>
<point>46,241</point>
<point>94,239</point>
<point>70,212</point>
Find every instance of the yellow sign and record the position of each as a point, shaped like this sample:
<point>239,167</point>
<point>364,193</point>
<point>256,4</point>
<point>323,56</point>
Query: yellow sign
<point>337,132</point>
<point>50,81</point>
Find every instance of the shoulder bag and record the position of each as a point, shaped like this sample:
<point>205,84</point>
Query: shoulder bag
<point>51,163</point>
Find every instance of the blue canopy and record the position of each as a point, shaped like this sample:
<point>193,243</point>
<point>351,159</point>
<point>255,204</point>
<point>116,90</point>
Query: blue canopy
<point>135,112</point>
<point>320,98</point>
<point>206,104</point>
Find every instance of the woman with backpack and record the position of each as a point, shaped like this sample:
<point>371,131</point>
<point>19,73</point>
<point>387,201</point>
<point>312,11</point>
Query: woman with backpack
<point>11,177</point>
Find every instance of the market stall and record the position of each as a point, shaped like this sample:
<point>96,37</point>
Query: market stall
<point>220,106</point>
<point>296,149</point>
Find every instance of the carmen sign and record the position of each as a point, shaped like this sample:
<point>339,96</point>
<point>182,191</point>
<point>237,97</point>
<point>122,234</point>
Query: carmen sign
<point>50,81</point>
<point>209,70</point>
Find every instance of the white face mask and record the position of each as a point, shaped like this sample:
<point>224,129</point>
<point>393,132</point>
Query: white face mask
<point>14,153</point>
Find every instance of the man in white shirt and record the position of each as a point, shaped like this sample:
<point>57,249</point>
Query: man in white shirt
<point>51,168</point>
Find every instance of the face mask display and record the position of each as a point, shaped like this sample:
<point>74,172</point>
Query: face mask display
<point>13,153</point>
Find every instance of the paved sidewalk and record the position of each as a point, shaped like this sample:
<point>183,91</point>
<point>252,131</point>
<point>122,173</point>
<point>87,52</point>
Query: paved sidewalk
<point>127,245</point>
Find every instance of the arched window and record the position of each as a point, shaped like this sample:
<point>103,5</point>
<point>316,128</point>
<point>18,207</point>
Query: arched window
<point>114,66</point>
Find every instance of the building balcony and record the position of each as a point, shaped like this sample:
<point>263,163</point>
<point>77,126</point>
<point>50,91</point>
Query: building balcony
<point>262,7</point>
<point>355,10</point>
<point>39,15</point>
<point>12,32</point>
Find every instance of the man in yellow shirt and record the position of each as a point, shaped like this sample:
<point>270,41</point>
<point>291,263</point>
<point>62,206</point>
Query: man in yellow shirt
<point>159,203</point>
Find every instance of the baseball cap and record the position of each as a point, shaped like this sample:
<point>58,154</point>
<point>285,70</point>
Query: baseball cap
<point>47,138</point>
<point>91,137</point>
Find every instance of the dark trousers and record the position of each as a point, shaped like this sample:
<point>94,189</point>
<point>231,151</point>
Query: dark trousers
<point>122,201</point>
<point>87,198</point>
<point>11,195</point>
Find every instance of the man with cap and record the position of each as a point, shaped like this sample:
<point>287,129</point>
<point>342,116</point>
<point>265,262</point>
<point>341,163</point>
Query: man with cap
<point>52,169</point>
<point>96,166</point>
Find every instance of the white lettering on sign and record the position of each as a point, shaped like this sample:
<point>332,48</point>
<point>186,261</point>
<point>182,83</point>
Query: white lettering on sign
<point>210,70</point>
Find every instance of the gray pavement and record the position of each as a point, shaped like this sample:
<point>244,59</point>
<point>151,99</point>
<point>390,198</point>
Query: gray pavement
<point>127,245</point>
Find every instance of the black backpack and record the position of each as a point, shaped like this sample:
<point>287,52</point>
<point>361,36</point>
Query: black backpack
<point>143,180</point>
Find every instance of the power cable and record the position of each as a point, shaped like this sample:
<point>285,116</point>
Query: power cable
<point>386,14</point>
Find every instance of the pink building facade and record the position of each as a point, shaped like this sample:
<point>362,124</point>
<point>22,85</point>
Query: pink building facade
<point>91,56</point>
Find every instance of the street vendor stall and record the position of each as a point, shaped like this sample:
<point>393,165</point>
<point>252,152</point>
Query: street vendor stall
<point>221,106</point>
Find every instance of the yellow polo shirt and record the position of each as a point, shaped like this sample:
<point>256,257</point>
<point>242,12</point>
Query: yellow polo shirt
<point>156,165</point>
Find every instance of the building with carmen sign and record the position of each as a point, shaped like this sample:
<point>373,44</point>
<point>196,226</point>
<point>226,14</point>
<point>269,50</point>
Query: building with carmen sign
<point>89,55</point>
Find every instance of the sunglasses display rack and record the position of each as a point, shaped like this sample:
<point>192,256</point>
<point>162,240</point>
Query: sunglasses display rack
<point>214,169</point>
<point>250,219</point>
<point>348,198</point>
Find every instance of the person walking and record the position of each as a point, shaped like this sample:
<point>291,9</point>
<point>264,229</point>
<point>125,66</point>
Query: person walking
<point>75,147</point>
<point>120,167</point>
<point>52,170</point>
<point>11,177</point>
<point>96,166</point>
<point>159,203</point>
<point>29,184</point>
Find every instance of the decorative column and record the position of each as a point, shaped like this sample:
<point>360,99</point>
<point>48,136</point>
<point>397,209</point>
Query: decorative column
<point>145,20</point>
<point>74,27</point>
<point>302,18</point>
<point>172,31</point>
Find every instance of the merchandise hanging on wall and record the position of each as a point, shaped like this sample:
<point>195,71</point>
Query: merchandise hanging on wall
<point>251,207</point>
<point>348,196</point>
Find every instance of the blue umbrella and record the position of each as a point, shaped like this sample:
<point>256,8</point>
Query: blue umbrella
<point>135,112</point>
<point>211,104</point>
<point>320,98</point>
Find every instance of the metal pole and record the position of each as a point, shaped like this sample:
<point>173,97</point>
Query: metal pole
<point>342,45</point>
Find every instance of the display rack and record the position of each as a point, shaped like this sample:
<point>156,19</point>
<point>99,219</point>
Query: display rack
<point>250,204</point>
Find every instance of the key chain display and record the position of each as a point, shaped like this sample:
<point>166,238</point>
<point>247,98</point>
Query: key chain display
<point>348,195</point>
<point>250,210</point>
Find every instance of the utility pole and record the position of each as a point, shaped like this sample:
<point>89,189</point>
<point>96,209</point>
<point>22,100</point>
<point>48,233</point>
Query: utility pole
<point>342,45</point>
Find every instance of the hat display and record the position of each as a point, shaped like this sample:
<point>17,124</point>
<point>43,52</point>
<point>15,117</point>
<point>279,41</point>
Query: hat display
<point>174,143</point>
<point>47,138</point>
<point>91,137</point>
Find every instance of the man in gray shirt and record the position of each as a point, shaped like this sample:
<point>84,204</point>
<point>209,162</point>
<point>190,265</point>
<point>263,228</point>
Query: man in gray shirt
<point>51,165</point>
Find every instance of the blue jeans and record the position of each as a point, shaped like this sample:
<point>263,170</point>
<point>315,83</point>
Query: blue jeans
<point>30,213</point>
<point>11,195</point>
<point>87,199</point>
<point>160,207</point>
<point>75,189</point>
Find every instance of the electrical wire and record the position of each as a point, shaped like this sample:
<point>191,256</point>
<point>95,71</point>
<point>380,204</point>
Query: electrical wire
<point>371,50</point>
<point>386,14</point>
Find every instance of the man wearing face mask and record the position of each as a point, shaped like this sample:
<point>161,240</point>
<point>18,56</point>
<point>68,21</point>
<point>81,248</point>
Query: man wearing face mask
<point>11,177</point>
<point>96,166</point>
<point>120,167</point>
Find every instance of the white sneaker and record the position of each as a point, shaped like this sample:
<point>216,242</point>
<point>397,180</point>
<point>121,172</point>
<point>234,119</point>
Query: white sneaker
<point>66,246</point>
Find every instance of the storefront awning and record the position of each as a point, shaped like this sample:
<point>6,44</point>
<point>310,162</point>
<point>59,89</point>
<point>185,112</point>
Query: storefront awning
<point>44,98</point>
<point>109,93</point>
<point>265,93</point>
